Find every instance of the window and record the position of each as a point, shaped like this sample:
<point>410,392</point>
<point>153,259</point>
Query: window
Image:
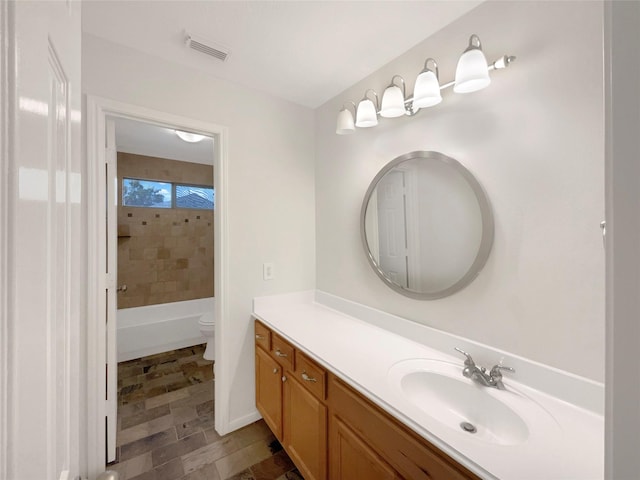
<point>192,196</point>
<point>154,194</point>
<point>146,193</point>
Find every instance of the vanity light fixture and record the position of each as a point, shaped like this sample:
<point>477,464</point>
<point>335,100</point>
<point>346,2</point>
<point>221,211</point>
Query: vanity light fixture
<point>426,92</point>
<point>367,111</point>
<point>472,74</point>
<point>190,137</point>
<point>345,124</point>
<point>393,100</point>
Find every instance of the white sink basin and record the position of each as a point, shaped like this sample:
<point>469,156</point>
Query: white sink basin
<point>442,397</point>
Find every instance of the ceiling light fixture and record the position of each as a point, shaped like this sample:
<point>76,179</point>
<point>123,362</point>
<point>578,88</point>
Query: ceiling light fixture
<point>190,137</point>
<point>472,74</point>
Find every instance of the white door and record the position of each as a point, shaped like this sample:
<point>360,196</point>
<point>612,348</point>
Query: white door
<point>392,227</point>
<point>42,236</point>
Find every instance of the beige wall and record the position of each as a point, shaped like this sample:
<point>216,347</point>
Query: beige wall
<point>164,254</point>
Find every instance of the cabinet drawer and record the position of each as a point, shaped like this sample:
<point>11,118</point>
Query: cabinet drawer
<point>311,375</point>
<point>282,351</point>
<point>411,456</point>
<point>263,336</point>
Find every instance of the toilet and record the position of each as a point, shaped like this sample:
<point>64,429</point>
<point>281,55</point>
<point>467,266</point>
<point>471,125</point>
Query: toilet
<point>207,329</point>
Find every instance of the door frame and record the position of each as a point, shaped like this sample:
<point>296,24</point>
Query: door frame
<point>6,152</point>
<point>98,109</point>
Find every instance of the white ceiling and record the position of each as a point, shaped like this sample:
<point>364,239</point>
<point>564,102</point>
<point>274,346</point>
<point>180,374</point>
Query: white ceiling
<point>306,52</point>
<point>155,141</point>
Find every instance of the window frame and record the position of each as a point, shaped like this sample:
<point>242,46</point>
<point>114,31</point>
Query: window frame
<point>173,185</point>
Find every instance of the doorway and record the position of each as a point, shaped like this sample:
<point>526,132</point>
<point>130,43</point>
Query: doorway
<point>102,285</point>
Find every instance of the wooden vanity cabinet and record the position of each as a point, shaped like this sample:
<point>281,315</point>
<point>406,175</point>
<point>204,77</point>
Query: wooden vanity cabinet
<point>363,434</point>
<point>351,457</point>
<point>290,395</point>
<point>305,424</point>
<point>269,391</point>
<point>331,431</point>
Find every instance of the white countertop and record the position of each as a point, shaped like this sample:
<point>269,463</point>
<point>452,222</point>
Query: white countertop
<point>362,355</point>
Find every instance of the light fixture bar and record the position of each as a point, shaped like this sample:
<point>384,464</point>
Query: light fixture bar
<point>500,64</point>
<point>471,75</point>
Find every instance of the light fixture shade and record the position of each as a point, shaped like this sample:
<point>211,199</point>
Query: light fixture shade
<point>426,92</point>
<point>472,72</point>
<point>190,137</point>
<point>345,125</point>
<point>366,114</point>
<point>392,102</point>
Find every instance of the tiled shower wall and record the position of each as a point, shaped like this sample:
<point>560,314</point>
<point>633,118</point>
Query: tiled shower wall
<point>164,254</point>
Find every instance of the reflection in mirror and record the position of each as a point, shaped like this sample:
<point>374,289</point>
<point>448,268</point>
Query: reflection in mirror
<point>426,225</point>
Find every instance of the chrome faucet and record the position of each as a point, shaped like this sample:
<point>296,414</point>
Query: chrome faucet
<point>478,374</point>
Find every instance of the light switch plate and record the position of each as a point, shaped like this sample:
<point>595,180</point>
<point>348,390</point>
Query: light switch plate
<point>268,271</point>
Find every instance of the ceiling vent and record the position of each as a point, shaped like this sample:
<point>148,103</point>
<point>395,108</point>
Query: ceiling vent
<point>207,47</point>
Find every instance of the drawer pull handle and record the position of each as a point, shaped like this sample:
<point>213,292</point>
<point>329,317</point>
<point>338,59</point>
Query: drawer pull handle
<point>284,379</point>
<point>275,370</point>
<point>280,354</point>
<point>259,337</point>
<point>307,378</point>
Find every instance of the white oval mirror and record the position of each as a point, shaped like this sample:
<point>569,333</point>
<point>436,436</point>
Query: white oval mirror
<point>426,225</point>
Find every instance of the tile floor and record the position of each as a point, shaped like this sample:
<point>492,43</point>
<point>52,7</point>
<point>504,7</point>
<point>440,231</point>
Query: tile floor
<point>165,426</point>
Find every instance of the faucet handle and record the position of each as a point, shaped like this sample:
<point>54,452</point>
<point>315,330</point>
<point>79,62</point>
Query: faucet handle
<point>495,371</point>
<point>469,361</point>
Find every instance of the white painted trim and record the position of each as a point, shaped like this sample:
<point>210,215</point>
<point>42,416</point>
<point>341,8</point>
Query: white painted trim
<point>240,422</point>
<point>6,109</point>
<point>223,371</point>
<point>111,180</point>
<point>97,110</point>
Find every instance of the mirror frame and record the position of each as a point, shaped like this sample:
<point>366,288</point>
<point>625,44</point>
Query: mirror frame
<point>486,213</point>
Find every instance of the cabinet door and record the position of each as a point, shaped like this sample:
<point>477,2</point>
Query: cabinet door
<point>269,391</point>
<point>305,430</point>
<point>352,458</point>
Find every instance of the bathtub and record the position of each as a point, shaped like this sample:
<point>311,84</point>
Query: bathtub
<point>157,328</point>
